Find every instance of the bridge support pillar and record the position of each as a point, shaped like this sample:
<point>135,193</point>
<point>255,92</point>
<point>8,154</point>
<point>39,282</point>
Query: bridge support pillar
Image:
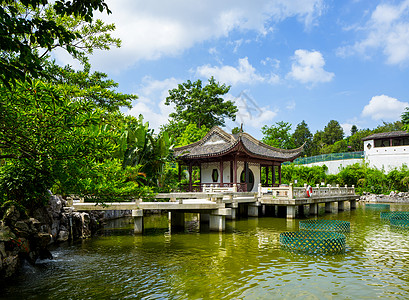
<point>177,219</point>
<point>341,206</point>
<point>329,207</point>
<point>352,204</point>
<point>137,215</point>
<point>233,214</point>
<point>301,210</point>
<point>204,218</point>
<point>314,209</point>
<point>253,209</point>
<point>217,223</point>
<point>290,212</point>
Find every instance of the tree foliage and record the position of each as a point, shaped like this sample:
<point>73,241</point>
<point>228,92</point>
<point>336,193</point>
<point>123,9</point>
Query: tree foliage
<point>354,130</point>
<point>54,137</point>
<point>278,135</point>
<point>301,135</point>
<point>201,105</point>
<point>333,132</point>
<point>191,134</point>
<point>364,178</point>
<point>31,26</point>
<point>405,119</point>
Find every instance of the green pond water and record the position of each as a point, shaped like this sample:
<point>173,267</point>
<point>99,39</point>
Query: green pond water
<point>245,262</point>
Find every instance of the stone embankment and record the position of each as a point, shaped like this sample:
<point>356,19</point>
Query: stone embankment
<point>27,238</point>
<point>401,197</point>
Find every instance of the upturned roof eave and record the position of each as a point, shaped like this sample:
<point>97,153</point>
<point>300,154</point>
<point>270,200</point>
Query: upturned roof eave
<point>236,147</point>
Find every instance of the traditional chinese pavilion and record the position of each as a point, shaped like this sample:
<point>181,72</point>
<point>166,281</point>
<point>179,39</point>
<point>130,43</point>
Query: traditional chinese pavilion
<point>224,159</point>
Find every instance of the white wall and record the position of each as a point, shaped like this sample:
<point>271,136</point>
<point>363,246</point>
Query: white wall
<point>334,166</point>
<point>386,158</point>
<point>208,168</point>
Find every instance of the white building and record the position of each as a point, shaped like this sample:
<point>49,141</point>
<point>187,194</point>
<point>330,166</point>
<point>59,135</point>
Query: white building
<point>387,150</point>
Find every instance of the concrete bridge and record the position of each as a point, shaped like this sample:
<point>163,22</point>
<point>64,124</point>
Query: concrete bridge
<point>216,205</point>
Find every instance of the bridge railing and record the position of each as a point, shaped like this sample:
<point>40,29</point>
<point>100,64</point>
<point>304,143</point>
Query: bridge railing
<point>290,192</point>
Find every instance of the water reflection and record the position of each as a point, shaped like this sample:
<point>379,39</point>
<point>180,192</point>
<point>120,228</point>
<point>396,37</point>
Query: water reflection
<point>245,262</point>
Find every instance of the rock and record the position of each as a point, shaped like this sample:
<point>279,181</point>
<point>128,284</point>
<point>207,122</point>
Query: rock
<point>34,225</point>
<point>43,239</point>
<point>2,250</point>
<point>11,216</point>
<point>54,206</point>
<point>22,229</point>
<point>63,236</point>
<point>11,264</point>
<point>43,216</point>
<point>6,234</point>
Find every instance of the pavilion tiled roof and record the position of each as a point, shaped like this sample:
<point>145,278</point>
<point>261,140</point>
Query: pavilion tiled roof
<point>386,135</point>
<point>218,142</point>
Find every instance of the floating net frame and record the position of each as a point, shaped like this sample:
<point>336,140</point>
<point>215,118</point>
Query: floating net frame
<point>378,206</point>
<point>387,215</point>
<point>313,242</point>
<point>325,225</point>
<point>399,223</point>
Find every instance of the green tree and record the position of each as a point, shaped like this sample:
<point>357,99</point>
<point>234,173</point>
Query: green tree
<point>93,86</point>
<point>354,130</point>
<point>333,132</point>
<point>405,119</point>
<point>191,134</point>
<point>355,141</point>
<point>278,135</point>
<point>388,126</point>
<point>301,135</point>
<point>32,28</point>
<point>236,130</point>
<point>317,143</point>
<point>201,105</point>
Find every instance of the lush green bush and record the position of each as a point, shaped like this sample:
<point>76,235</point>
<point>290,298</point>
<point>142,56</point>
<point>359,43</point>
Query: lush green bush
<point>364,178</point>
<point>303,175</point>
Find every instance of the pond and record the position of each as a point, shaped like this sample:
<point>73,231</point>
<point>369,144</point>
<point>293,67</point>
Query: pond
<point>245,262</point>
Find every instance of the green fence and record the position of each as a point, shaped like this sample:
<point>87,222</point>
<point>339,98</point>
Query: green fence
<point>325,225</point>
<point>313,242</point>
<point>327,157</point>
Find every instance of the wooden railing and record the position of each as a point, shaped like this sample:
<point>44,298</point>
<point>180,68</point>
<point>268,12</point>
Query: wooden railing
<point>214,187</point>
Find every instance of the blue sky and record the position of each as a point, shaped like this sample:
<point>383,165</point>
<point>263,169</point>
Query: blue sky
<point>285,60</point>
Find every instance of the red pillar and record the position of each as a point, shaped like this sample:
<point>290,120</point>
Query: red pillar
<point>235,170</point>
<point>273,169</point>
<point>190,177</point>
<point>179,170</point>
<point>267,172</point>
<point>221,173</point>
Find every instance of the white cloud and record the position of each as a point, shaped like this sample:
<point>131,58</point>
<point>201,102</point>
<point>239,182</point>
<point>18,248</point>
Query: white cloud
<point>273,62</point>
<point>386,30</point>
<point>384,108</point>
<point>151,102</point>
<point>291,105</point>
<point>243,73</point>
<point>347,128</point>
<point>153,29</point>
<point>308,67</point>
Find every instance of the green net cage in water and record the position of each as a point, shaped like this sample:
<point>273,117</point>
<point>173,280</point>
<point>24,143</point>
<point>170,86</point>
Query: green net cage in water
<point>378,206</point>
<point>399,223</point>
<point>387,215</point>
<point>313,242</point>
<point>325,225</point>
